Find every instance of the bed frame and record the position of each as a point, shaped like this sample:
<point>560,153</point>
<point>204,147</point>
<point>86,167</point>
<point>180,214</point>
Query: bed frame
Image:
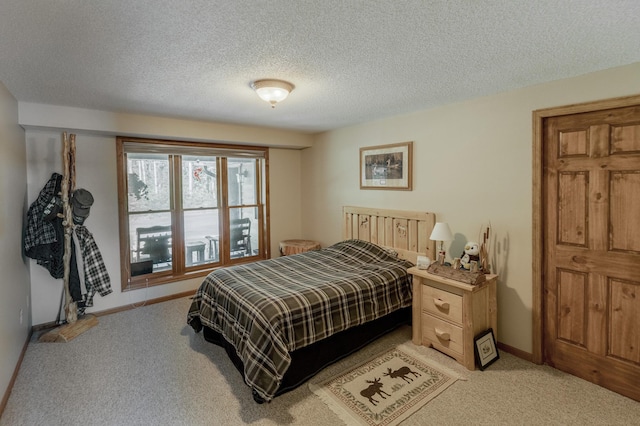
<point>407,233</point>
<point>403,231</point>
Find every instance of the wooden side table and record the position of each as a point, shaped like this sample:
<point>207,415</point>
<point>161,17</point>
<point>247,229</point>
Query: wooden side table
<point>289,247</point>
<point>448,314</point>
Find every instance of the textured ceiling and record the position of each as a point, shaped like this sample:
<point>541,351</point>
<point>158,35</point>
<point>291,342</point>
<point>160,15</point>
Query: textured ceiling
<point>351,60</point>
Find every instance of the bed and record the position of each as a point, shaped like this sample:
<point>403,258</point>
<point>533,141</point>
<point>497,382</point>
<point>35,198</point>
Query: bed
<point>282,320</point>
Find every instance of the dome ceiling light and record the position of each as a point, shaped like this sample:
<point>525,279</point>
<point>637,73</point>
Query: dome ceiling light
<point>272,91</point>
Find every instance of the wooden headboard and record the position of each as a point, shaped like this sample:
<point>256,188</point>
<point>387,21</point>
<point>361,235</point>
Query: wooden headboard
<point>406,232</point>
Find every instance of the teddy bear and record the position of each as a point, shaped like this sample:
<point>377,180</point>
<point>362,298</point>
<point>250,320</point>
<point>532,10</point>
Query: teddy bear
<point>471,252</point>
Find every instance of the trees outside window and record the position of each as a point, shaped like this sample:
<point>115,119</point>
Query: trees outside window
<point>187,208</point>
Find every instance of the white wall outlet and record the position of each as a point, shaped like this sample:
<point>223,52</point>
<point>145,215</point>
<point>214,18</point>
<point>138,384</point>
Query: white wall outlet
<point>20,316</point>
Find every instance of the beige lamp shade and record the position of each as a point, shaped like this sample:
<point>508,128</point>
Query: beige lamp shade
<point>441,232</point>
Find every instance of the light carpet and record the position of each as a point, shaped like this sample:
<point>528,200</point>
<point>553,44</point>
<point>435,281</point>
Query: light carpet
<point>386,389</point>
<point>146,366</point>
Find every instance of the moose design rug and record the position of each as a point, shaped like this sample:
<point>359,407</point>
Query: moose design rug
<point>386,389</point>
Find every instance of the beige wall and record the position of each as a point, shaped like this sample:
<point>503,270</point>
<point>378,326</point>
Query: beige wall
<point>472,165</point>
<point>96,172</point>
<point>14,283</point>
<point>284,196</point>
<point>81,120</point>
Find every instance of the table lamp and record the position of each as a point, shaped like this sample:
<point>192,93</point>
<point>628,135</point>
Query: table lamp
<point>442,233</point>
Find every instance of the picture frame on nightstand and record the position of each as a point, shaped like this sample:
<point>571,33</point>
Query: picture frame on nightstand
<point>486,351</point>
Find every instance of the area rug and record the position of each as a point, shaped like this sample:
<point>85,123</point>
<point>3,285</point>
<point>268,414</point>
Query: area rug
<point>386,389</point>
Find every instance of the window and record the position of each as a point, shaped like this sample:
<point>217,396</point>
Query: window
<point>186,208</point>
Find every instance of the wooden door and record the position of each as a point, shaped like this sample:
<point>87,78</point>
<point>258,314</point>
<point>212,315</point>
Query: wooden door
<point>591,281</point>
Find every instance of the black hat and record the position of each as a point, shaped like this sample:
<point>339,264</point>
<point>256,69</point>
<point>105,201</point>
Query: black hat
<point>81,201</point>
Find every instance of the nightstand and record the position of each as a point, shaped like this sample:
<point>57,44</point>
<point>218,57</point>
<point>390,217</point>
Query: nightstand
<point>448,314</point>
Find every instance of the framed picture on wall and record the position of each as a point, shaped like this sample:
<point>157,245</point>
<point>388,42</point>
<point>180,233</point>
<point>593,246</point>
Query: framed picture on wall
<point>387,166</point>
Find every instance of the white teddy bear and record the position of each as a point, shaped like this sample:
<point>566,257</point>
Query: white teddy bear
<point>471,252</point>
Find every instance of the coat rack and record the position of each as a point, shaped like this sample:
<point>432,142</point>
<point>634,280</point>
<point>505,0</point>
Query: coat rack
<point>74,326</point>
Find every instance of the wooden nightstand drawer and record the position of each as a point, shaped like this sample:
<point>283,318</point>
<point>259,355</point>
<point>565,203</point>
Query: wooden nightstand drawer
<point>442,304</point>
<point>442,334</point>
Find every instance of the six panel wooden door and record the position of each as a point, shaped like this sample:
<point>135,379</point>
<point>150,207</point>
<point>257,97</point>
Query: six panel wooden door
<point>592,247</point>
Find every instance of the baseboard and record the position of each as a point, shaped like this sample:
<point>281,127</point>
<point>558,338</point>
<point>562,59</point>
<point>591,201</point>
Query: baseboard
<point>49,325</point>
<point>148,302</point>
<point>5,398</point>
<point>516,352</point>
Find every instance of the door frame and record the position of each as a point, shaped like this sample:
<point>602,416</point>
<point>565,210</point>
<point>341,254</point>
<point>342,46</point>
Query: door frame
<point>538,205</point>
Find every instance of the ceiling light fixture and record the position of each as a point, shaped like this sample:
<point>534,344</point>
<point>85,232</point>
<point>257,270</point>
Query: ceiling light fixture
<point>272,91</point>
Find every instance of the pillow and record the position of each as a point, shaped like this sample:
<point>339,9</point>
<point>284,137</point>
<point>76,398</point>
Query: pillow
<point>390,251</point>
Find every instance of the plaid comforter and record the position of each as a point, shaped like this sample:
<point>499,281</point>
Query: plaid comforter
<point>269,308</point>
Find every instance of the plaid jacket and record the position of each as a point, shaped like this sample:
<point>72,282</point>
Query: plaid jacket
<point>43,239</point>
<point>96,276</point>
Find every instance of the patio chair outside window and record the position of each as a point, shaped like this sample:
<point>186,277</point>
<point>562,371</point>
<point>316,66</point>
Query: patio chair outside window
<point>240,234</point>
<point>154,242</point>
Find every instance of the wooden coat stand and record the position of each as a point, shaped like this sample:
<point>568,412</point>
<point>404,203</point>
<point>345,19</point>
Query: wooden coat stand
<point>74,326</point>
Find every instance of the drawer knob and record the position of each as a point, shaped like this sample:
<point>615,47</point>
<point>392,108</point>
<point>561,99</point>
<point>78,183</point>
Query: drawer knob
<point>441,303</point>
<point>442,334</point>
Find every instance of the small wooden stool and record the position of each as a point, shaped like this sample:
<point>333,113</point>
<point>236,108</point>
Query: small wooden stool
<point>289,247</point>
